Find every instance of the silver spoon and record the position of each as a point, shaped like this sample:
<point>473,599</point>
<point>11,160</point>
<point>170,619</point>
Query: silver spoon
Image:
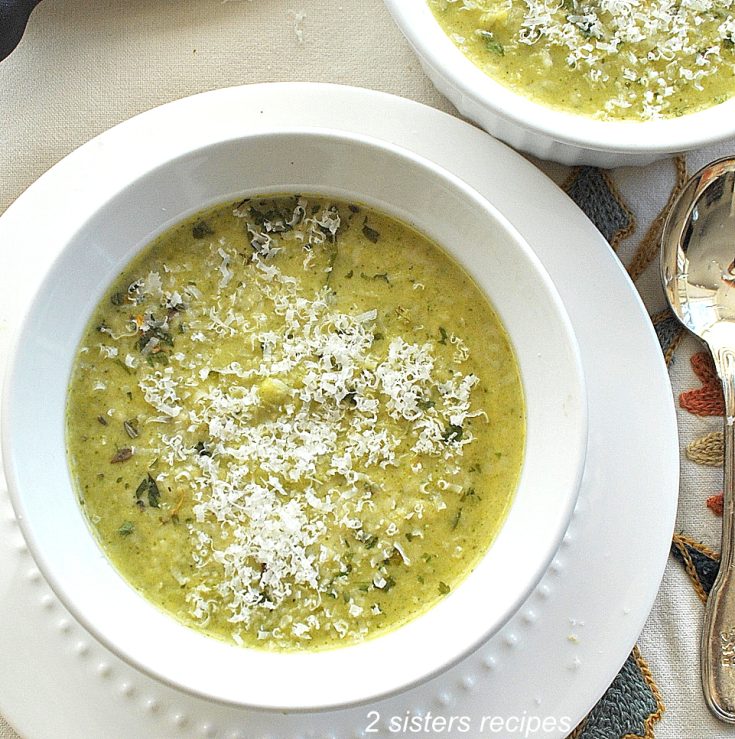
<point>698,273</point>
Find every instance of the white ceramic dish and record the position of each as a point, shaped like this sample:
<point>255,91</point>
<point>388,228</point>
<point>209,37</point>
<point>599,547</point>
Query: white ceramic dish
<point>60,681</point>
<point>542,131</point>
<point>103,238</point>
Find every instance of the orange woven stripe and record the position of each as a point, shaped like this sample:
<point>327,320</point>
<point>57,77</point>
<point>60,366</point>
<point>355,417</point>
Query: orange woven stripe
<point>715,504</point>
<point>706,400</point>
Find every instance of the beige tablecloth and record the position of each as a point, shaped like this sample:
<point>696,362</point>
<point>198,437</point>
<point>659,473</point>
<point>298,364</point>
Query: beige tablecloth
<point>84,66</point>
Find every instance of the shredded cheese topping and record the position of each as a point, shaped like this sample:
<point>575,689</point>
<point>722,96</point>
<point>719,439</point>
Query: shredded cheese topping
<point>261,479</point>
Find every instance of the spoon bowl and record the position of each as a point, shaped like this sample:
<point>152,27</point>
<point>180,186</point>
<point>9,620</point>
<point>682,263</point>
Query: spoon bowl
<point>698,275</point>
<point>698,256</point>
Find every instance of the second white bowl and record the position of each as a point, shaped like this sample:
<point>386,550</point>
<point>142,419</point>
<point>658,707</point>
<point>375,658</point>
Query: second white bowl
<point>542,131</point>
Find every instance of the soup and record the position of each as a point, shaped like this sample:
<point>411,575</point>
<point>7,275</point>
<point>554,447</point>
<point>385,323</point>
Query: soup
<point>294,423</point>
<point>620,59</point>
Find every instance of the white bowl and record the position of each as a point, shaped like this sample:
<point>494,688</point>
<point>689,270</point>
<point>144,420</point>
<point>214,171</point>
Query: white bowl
<point>540,130</point>
<point>334,164</point>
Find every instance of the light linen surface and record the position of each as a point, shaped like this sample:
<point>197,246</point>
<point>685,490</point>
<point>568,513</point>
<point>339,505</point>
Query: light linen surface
<point>84,66</point>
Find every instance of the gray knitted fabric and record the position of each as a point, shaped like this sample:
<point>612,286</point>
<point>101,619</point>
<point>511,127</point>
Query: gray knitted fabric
<point>591,192</point>
<point>624,708</point>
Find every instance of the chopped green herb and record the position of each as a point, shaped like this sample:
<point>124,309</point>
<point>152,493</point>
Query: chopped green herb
<point>122,455</point>
<point>377,336</point>
<point>370,542</point>
<point>348,276</point>
<point>370,233</point>
<point>444,335</point>
<point>443,588</point>
<point>201,229</point>
<point>584,25</point>
<point>424,404</point>
<point>163,337</point>
<point>102,420</point>
<point>332,258</point>
<point>379,276</point>
<point>157,358</point>
<point>166,338</point>
<point>126,529</point>
<point>202,450</point>
<point>453,433</point>
<point>492,44</point>
<point>470,493</point>
<point>394,558</point>
<point>149,488</point>
<point>389,583</point>
<point>119,299</point>
<point>456,519</point>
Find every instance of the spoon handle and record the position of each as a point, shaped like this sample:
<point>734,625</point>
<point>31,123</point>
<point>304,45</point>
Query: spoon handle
<point>718,635</point>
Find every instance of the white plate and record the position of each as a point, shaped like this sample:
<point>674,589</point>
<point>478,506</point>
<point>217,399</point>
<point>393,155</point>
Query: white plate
<point>558,655</point>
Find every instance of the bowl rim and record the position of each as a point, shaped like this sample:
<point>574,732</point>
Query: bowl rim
<point>16,496</point>
<point>658,136</point>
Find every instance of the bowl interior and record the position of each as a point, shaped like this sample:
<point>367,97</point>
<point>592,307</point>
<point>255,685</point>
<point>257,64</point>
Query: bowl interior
<point>337,165</point>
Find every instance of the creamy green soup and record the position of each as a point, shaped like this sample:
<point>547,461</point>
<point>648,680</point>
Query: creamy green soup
<point>610,59</point>
<point>295,423</point>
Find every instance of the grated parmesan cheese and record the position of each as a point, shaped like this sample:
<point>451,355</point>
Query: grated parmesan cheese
<point>258,481</point>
